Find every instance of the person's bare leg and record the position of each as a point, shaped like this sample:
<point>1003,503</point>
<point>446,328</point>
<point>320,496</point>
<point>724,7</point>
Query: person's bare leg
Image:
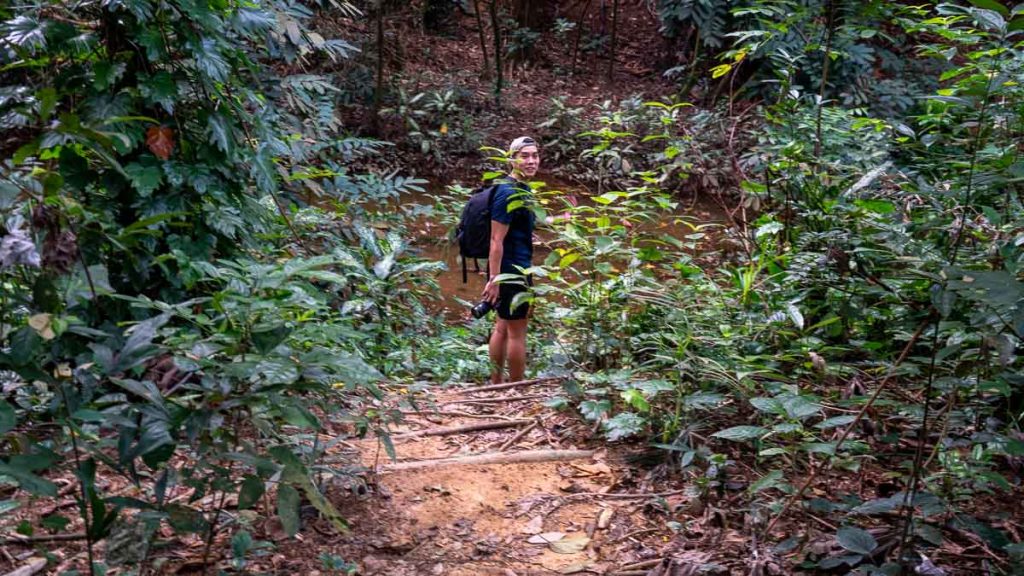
<point>515,351</point>
<point>496,347</point>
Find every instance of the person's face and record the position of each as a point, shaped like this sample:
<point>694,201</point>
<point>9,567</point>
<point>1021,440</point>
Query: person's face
<point>527,161</point>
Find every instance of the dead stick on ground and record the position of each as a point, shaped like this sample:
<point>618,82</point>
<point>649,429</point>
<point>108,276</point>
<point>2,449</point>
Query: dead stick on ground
<point>507,385</point>
<point>621,496</point>
<point>642,565</point>
<point>849,428</point>
<point>462,429</point>
<point>496,399</point>
<point>525,457</point>
<point>29,540</point>
<point>34,565</point>
<point>457,413</point>
<point>518,436</point>
<point>633,533</point>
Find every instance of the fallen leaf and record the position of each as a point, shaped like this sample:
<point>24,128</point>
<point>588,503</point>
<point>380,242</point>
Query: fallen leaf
<point>42,324</point>
<point>570,545</point>
<point>604,519</point>
<point>160,140</point>
<point>575,569</point>
<point>534,526</point>
<point>546,538</point>
<point>593,469</point>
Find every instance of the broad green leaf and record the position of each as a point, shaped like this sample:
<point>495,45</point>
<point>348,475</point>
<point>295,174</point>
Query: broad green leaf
<point>250,492</point>
<point>288,508</point>
<point>995,538</point>
<point>879,505</point>
<point>740,433</point>
<point>795,315</point>
<point>635,398</point>
<point>876,206</point>
<point>703,400</point>
<point>990,19</point>
<point>800,407</point>
<point>21,468</point>
<point>604,244</point>
<point>1015,550</point>
<point>624,425</point>
<point>241,542</point>
<point>835,421</point>
<point>1015,447</point>
<point>856,540</point>
<point>768,405</point>
<point>787,427</point>
<point>8,505</point>
<point>595,409</point>
<point>8,419</point>
<point>992,5</point>
<point>773,479</point>
<point>144,178</point>
<point>768,229</point>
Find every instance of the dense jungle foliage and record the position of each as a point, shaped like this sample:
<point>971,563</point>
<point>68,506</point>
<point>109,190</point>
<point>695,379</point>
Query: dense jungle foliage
<point>206,256</point>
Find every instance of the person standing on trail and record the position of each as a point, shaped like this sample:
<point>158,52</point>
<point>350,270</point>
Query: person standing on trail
<point>511,251</point>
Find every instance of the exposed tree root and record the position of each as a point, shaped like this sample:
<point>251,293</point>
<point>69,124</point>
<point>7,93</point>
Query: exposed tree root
<point>525,457</point>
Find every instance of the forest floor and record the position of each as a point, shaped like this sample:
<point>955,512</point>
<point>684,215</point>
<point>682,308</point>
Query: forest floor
<point>591,509</point>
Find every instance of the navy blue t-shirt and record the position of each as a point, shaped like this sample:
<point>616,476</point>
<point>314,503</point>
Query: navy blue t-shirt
<point>518,245</point>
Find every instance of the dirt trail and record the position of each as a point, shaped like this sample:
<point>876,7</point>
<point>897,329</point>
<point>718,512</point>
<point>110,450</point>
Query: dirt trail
<point>471,520</point>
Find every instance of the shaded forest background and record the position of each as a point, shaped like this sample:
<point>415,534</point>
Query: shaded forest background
<point>220,228</point>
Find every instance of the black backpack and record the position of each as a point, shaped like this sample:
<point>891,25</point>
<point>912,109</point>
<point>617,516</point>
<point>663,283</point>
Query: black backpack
<point>474,230</point>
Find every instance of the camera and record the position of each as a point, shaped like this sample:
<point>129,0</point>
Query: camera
<point>481,309</point>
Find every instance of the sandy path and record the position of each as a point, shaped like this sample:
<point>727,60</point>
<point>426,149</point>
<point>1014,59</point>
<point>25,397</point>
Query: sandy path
<point>472,520</point>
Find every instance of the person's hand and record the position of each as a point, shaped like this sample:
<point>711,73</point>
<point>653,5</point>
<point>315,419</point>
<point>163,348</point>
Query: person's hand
<point>491,292</point>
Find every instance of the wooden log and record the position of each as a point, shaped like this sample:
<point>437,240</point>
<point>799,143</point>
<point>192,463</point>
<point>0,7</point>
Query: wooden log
<point>463,429</point>
<point>34,565</point>
<point>507,385</point>
<point>525,457</point>
<point>496,399</point>
<point>30,540</point>
<point>621,496</point>
<point>455,413</point>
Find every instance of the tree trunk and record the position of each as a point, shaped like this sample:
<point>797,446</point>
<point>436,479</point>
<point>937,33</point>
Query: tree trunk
<point>824,79</point>
<point>483,39</point>
<point>378,91</point>
<point>615,30</point>
<point>579,32</point>
<point>496,26</point>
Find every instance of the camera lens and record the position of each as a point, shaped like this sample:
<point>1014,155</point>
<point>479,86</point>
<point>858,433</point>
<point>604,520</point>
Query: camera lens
<point>481,309</point>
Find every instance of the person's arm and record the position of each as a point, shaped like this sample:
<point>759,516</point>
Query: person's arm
<point>494,256</point>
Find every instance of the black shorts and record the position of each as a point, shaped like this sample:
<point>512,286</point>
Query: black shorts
<point>506,293</point>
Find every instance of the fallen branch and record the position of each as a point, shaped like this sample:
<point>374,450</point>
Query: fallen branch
<point>634,533</point>
<point>525,457</point>
<point>34,565</point>
<point>497,399</point>
<point>640,565</point>
<point>462,429</point>
<point>456,413</point>
<point>507,385</point>
<point>519,435</point>
<point>29,540</point>
<point>621,496</point>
